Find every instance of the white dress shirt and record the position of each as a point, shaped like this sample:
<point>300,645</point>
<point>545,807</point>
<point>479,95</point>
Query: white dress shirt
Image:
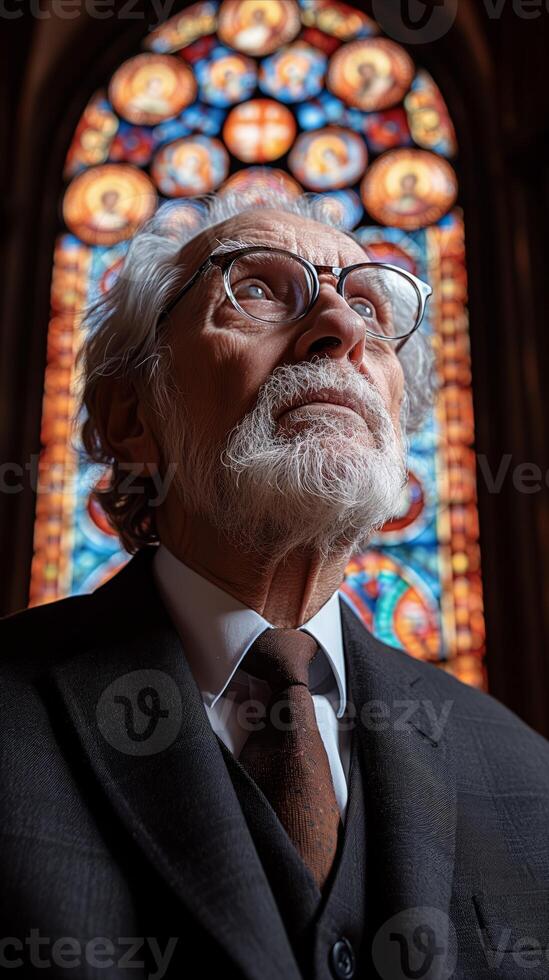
<point>217,630</point>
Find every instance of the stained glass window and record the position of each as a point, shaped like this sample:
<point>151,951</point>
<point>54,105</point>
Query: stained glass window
<point>307,92</point>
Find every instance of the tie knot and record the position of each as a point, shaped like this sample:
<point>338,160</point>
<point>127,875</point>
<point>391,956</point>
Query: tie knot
<point>281,657</point>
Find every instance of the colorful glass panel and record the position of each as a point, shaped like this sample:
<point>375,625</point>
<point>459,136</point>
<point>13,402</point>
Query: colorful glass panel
<point>255,94</point>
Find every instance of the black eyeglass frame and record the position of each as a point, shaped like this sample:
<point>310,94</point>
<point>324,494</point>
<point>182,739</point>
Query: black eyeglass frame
<point>224,261</point>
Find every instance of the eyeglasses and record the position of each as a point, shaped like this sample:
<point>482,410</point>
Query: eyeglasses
<point>272,285</point>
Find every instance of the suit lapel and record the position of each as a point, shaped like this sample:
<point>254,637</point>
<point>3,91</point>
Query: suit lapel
<point>164,773</point>
<point>409,776</point>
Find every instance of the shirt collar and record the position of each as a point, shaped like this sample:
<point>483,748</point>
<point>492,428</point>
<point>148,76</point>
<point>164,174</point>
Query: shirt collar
<point>217,630</point>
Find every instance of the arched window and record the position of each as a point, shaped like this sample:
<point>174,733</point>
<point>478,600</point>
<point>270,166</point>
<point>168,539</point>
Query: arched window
<point>314,91</point>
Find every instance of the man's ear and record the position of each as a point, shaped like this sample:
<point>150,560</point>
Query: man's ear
<point>126,429</point>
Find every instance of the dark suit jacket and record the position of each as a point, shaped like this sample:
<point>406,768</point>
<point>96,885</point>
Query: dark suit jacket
<point>123,823</point>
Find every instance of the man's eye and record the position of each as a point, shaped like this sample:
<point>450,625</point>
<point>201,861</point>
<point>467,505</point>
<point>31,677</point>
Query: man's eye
<point>250,290</point>
<point>363,308</point>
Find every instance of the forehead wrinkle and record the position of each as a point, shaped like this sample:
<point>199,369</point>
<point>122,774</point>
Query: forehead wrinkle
<point>319,243</point>
<point>314,240</point>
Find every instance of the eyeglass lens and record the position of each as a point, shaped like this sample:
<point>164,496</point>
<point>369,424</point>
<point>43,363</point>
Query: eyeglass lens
<point>270,286</point>
<point>274,287</point>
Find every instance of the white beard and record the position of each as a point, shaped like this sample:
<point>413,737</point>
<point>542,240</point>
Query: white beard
<point>325,487</point>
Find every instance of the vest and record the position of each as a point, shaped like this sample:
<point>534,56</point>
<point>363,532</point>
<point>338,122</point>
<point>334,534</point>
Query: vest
<point>316,924</point>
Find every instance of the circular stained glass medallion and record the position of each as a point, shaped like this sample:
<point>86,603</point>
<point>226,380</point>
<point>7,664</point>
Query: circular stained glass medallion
<point>370,74</point>
<point>193,165</point>
<point>328,159</point>
<point>106,204</point>
<point>294,74</point>
<point>152,87</point>
<point>259,131</point>
<point>409,188</point>
<point>258,27</point>
<point>226,77</point>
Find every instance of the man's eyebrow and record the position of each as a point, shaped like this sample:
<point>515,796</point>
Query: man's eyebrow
<point>229,245</point>
<point>379,281</point>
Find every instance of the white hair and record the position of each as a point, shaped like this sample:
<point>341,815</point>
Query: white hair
<point>122,340</point>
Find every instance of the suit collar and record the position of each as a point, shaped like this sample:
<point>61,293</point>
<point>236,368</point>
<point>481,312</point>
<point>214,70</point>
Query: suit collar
<point>217,630</point>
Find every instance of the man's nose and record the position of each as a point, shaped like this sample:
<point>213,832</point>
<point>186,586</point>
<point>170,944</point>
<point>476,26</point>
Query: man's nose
<point>331,328</point>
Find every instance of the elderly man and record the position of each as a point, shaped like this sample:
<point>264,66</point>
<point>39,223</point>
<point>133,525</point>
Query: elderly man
<point>209,766</point>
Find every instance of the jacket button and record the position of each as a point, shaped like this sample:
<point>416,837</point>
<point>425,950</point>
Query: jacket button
<point>342,959</point>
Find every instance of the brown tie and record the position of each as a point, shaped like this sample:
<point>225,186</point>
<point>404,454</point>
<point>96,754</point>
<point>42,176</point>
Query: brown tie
<point>286,757</point>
